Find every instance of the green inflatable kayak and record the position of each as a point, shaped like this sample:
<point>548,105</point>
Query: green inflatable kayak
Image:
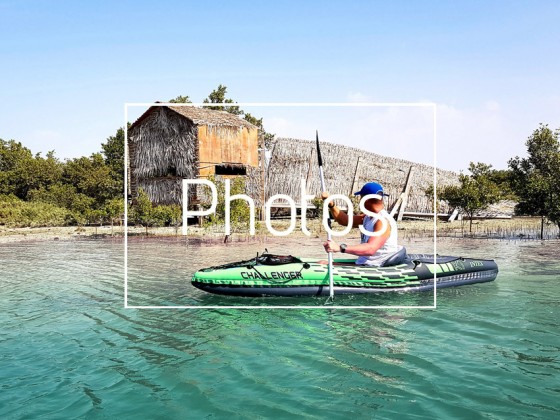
<point>274,275</point>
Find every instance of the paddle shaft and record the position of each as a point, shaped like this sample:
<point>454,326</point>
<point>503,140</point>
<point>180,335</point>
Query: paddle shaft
<point>330,255</point>
<point>322,175</point>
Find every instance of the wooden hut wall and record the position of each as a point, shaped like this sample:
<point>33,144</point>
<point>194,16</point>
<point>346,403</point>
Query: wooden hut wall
<point>346,170</point>
<point>163,150</point>
<point>225,144</point>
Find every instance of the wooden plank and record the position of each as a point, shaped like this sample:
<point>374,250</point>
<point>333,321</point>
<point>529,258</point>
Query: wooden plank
<point>418,214</point>
<point>396,206</point>
<point>354,187</point>
<point>453,215</point>
<point>406,192</point>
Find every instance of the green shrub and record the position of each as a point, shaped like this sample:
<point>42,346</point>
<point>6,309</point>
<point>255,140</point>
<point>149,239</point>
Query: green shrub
<point>18,213</point>
<point>240,214</point>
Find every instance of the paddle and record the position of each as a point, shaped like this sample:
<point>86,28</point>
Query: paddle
<point>321,174</point>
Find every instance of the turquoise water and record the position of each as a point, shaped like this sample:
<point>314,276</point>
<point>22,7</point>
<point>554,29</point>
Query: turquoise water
<point>68,347</point>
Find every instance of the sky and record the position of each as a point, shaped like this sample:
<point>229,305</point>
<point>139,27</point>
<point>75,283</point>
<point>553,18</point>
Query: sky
<point>490,67</point>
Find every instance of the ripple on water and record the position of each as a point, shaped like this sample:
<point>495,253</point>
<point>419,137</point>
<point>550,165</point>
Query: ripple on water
<point>70,349</point>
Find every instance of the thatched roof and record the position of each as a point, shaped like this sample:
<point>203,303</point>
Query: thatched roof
<point>201,116</point>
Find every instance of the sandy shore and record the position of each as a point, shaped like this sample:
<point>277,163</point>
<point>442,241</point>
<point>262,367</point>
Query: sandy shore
<point>523,228</point>
<point>54,233</point>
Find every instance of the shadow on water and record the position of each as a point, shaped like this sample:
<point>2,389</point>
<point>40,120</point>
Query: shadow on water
<point>393,299</point>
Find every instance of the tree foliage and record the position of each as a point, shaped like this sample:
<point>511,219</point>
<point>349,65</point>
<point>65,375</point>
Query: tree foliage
<point>535,178</point>
<point>475,192</point>
<point>181,100</point>
<point>218,96</point>
<point>113,151</point>
<point>170,215</point>
<point>51,192</point>
<point>143,212</point>
<point>264,137</point>
<point>92,177</point>
<point>22,172</point>
<point>240,214</point>
<point>114,209</point>
<point>504,180</point>
<point>15,212</point>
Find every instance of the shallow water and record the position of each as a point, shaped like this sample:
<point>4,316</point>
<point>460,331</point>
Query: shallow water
<point>69,348</point>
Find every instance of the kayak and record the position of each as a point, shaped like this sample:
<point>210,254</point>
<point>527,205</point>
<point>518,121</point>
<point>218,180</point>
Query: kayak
<point>276,275</point>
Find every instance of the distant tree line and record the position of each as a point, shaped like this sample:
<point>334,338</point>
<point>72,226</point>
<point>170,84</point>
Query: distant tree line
<point>532,181</point>
<point>40,190</point>
<point>44,191</point>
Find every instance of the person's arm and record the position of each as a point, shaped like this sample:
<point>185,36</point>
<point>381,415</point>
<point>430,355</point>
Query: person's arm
<point>364,250</point>
<point>341,217</point>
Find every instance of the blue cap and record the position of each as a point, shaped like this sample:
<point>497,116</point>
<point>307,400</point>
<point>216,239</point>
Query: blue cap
<point>371,188</point>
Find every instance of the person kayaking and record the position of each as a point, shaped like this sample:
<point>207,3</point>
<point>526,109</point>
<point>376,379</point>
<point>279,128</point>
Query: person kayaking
<point>374,249</point>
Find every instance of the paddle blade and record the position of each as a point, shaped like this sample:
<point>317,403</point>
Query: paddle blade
<point>318,149</point>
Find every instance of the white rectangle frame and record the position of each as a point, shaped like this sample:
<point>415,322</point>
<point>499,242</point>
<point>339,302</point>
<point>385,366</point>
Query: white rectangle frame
<point>281,104</point>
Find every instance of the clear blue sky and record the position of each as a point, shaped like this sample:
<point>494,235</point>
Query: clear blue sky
<point>492,68</point>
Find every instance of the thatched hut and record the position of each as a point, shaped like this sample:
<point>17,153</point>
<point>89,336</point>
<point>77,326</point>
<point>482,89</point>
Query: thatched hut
<point>168,143</point>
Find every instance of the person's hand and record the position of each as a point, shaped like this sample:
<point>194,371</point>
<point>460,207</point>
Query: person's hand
<point>325,195</point>
<point>331,246</point>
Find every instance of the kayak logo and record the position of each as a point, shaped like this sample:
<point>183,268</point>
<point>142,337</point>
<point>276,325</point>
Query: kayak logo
<point>228,198</point>
<point>273,275</point>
